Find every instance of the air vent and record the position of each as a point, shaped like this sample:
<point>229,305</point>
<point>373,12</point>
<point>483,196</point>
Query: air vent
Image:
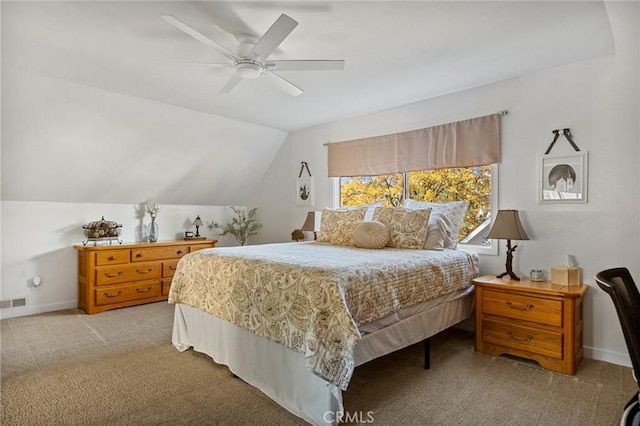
<point>13,303</point>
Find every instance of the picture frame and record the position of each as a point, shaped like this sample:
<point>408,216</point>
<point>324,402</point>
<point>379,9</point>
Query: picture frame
<point>304,191</point>
<point>563,178</point>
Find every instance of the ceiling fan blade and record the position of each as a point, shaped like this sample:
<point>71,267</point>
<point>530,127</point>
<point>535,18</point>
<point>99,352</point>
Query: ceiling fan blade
<point>306,65</point>
<point>209,64</point>
<point>230,84</point>
<point>200,37</point>
<point>283,84</point>
<point>273,37</point>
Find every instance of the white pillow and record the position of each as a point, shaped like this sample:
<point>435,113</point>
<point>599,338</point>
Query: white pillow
<point>438,234</point>
<point>455,211</point>
<point>371,235</point>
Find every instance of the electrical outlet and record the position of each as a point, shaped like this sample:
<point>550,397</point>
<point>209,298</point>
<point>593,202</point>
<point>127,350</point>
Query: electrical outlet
<point>36,283</point>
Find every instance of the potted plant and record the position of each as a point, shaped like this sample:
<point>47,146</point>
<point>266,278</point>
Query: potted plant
<point>242,226</point>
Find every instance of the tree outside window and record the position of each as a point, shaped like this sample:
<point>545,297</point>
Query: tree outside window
<point>471,184</point>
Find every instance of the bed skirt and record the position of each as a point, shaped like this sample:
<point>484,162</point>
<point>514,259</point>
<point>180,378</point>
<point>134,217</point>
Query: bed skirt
<point>280,372</point>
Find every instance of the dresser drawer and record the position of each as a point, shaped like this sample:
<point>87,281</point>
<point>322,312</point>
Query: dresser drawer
<point>158,253</point>
<point>112,257</point>
<point>169,267</point>
<point>528,339</point>
<point>120,274</point>
<point>526,308</point>
<point>109,295</point>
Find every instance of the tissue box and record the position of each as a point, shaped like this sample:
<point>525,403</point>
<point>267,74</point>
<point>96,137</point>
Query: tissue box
<point>565,275</point>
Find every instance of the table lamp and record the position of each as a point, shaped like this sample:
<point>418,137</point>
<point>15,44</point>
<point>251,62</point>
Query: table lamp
<point>197,223</point>
<point>507,226</point>
<point>310,224</point>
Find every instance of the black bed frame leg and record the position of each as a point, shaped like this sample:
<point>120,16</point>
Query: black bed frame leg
<point>427,353</point>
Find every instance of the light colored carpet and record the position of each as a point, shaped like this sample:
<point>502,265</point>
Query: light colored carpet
<point>119,368</point>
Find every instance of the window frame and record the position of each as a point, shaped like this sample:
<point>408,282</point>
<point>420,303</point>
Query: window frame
<point>491,249</point>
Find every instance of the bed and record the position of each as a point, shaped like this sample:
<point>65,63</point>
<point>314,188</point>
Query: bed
<point>295,319</point>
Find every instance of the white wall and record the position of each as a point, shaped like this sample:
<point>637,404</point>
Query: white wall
<point>596,99</point>
<point>38,240</point>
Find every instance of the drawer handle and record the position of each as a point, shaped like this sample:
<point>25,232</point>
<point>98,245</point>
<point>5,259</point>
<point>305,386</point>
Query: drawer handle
<point>144,272</point>
<point>179,252</point>
<point>173,268</point>
<point>118,293</point>
<point>108,275</point>
<point>526,339</point>
<point>112,258</point>
<point>520,308</point>
<point>138,254</point>
<point>148,289</point>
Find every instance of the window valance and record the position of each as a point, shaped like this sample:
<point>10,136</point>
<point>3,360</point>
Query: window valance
<point>465,143</point>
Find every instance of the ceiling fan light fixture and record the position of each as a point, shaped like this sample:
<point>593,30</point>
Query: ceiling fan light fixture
<point>249,70</point>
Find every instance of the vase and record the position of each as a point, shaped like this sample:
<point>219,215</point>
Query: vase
<point>153,230</point>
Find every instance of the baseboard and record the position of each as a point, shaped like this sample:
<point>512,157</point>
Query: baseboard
<point>33,310</point>
<point>617,358</point>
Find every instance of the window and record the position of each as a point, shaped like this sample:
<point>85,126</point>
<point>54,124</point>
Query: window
<point>477,184</point>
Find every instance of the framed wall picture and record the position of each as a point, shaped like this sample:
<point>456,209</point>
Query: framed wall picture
<point>563,178</point>
<point>304,191</point>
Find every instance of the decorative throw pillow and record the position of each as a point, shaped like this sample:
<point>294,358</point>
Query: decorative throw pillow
<point>371,235</point>
<point>438,235</point>
<point>455,211</point>
<point>337,226</point>
<point>408,228</point>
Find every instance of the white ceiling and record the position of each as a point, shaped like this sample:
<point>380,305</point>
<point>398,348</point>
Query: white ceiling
<point>395,52</point>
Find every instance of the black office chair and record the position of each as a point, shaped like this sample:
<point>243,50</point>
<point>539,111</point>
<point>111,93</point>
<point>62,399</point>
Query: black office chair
<point>619,284</point>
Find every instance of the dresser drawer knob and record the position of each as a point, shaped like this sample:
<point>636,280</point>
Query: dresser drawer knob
<point>146,290</point>
<point>138,254</point>
<point>179,252</point>
<point>118,293</point>
<point>519,308</point>
<point>525,339</point>
<point>112,258</point>
<point>108,275</point>
<point>144,272</point>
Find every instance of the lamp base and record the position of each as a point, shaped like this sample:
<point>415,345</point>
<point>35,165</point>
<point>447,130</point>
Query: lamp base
<point>511,275</point>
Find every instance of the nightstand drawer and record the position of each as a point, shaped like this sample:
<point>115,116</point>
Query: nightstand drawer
<point>526,308</point>
<point>528,339</point>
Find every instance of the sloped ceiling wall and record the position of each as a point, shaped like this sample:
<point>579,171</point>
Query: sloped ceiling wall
<point>66,142</point>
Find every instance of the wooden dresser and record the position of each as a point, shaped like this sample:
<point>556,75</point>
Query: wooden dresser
<point>116,276</point>
<point>535,320</point>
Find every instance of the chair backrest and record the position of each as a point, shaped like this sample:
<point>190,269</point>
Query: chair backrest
<point>619,284</point>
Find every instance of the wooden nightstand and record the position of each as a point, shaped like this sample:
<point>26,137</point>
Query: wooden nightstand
<point>535,320</point>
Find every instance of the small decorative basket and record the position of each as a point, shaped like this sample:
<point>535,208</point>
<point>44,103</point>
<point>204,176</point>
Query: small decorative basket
<point>102,231</point>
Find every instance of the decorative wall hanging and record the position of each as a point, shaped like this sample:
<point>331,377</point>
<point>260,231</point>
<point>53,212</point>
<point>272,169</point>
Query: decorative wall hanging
<point>563,178</point>
<point>304,187</point>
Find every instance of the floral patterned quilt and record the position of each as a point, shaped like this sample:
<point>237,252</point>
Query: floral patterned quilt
<point>312,296</point>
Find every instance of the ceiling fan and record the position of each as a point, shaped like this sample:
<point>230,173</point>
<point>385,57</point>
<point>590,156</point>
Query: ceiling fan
<point>250,60</point>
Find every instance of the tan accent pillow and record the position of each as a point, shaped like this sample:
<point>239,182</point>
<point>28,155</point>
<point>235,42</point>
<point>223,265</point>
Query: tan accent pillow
<point>337,226</point>
<point>408,227</point>
<point>371,235</point>
<point>455,211</point>
<point>438,234</point>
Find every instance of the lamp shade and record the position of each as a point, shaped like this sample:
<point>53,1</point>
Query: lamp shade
<point>310,222</point>
<point>197,221</point>
<point>507,226</point>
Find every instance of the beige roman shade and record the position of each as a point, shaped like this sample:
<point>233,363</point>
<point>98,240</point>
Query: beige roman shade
<point>464,143</point>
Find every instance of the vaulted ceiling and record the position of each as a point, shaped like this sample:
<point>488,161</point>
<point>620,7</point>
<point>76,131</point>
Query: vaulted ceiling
<point>395,52</point>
